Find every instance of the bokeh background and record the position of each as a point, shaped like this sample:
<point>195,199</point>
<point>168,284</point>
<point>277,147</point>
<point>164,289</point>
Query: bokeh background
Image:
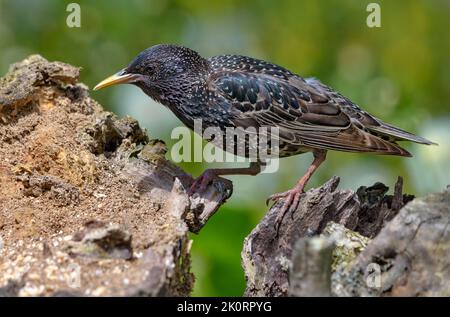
<point>399,72</point>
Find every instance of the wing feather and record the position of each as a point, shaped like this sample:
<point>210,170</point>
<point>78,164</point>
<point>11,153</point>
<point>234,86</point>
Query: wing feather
<point>306,112</point>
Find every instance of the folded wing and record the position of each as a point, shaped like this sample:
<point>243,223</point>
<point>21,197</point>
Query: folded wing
<point>306,112</point>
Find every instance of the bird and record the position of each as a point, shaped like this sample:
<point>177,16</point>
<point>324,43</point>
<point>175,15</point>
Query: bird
<point>236,91</point>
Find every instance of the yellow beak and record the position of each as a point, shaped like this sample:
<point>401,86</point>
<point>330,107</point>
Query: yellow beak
<point>120,77</point>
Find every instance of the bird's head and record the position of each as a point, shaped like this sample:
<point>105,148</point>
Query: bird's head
<point>162,71</point>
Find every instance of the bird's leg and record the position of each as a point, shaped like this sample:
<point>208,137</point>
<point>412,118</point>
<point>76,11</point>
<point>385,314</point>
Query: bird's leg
<point>292,196</point>
<point>207,176</point>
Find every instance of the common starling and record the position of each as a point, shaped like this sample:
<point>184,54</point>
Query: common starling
<point>239,91</point>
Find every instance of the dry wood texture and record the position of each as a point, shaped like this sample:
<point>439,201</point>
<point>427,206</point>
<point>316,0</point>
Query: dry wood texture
<point>346,243</point>
<point>89,205</point>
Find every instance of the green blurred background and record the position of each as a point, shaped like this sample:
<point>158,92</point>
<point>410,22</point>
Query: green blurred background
<point>399,72</point>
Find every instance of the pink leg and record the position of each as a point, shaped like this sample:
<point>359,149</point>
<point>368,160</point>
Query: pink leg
<point>209,175</point>
<point>292,196</point>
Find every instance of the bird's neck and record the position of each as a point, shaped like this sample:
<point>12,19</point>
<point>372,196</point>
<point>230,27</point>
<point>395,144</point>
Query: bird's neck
<point>180,96</point>
<point>189,103</point>
<point>182,92</point>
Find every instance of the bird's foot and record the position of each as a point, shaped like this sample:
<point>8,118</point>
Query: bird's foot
<point>201,183</point>
<point>291,200</point>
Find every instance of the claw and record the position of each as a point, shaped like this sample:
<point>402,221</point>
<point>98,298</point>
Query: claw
<point>294,204</point>
<point>291,202</point>
<point>201,183</point>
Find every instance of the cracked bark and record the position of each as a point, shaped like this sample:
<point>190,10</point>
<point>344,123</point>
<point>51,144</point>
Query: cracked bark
<point>89,205</point>
<point>381,245</point>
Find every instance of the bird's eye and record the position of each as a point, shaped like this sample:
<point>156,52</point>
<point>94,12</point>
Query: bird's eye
<point>148,70</point>
<point>144,69</point>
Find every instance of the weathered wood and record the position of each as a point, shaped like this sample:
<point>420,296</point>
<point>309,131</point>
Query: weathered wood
<point>88,204</point>
<point>267,256</point>
<point>409,257</point>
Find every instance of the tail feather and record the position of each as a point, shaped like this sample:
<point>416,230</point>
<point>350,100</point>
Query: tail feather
<point>399,134</point>
<point>353,139</point>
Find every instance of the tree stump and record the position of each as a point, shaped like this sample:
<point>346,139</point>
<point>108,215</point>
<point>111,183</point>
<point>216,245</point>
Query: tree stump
<point>89,205</point>
<point>346,243</point>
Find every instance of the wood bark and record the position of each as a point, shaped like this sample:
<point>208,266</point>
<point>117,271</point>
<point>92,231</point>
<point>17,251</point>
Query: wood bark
<point>346,243</point>
<point>89,205</point>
